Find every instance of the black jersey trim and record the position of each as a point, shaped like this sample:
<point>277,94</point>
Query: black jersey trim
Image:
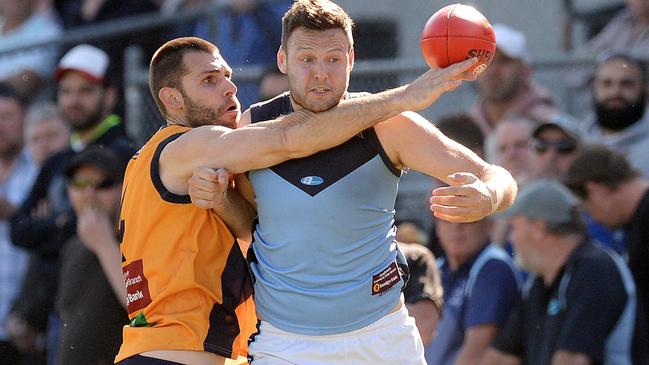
<point>165,194</point>
<point>281,104</point>
<point>236,288</point>
<point>271,109</point>
<point>373,140</point>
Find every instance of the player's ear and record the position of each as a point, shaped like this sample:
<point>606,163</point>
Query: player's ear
<point>351,58</point>
<point>171,98</point>
<point>281,59</point>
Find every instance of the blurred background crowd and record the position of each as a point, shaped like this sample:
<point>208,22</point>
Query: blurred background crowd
<point>564,99</point>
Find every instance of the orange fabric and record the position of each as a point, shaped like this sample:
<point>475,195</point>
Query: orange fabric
<point>183,269</point>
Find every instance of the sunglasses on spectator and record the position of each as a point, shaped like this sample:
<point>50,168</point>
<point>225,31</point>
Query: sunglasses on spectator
<point>563,146</point>
<point>82,182</point>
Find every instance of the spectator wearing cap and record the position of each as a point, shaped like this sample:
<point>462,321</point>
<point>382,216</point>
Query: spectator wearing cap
<point>17,172</point>
<point>21,23</point>
<point>86,102</point>
<point>91,298</point>
<point>554,143</point>
<point>505,89</point>
<point>620,119</point>
<point>80,13</point>
<point>617,196</point>
<point>579,303</point>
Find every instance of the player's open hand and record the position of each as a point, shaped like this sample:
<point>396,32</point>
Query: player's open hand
<point>207,187</point>
<point>466,199</point>
<point>422,92</point>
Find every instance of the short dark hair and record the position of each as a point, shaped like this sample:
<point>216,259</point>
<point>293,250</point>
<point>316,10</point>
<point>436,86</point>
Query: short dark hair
<point>167,68</point>
<point>316,15</point>
<point>597,163</point>
<point>609,56</point>
<point>463,129</point>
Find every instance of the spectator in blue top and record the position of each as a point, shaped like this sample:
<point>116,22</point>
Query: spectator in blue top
<point>480,290</point>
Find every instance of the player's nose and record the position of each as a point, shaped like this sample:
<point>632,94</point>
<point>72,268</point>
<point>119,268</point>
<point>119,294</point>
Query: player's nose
<point>231,88</point>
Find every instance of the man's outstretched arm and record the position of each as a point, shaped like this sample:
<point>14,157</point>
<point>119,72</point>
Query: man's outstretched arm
<point>300,133</point>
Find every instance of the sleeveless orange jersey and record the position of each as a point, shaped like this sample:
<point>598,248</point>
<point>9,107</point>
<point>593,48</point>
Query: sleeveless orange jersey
<point>187,281</point>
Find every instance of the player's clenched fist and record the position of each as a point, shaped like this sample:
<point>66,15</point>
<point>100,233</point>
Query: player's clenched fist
<point>207,187</point>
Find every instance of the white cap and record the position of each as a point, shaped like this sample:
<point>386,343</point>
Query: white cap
<point>511,42</point>
<point>89,60</point>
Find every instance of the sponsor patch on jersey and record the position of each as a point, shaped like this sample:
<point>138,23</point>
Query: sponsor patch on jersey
<point>311,180</point>
<point>137,286</point>
<point>386,279</point>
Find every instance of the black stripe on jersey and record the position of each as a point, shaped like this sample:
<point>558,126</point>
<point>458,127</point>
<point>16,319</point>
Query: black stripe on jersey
<point>165,194</point>
<point>330,165</point>
<point>271,109</point>
<point>236,288</point>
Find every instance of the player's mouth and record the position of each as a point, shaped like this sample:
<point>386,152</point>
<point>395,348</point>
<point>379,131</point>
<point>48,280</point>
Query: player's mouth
<point>232,108</point>
<point>320,90</point>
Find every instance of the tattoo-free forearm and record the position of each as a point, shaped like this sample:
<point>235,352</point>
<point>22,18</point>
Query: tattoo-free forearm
<point>237,214</point>
<point>305,132</point>
<point>502,186</point>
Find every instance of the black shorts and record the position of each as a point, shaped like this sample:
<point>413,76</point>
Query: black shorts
<point>145,360</point>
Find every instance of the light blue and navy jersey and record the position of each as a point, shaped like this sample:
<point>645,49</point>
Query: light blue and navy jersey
<point>323,254</point>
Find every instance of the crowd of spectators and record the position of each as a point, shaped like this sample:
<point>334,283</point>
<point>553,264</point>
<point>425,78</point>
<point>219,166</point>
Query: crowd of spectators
<point>476,288</point>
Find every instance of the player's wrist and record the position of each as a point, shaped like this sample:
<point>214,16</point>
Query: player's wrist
<point>493,195</point>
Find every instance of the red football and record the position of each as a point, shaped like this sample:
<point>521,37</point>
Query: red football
<point>455,33</point>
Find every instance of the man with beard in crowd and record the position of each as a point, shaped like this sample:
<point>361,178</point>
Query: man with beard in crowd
<point>505,89</point>
<point>619,121</point>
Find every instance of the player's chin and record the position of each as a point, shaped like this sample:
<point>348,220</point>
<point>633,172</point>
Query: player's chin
<point>230,118</point>
<point>321,105</point>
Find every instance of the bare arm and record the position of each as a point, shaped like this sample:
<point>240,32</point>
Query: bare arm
<point>570,358</point>
<point>426,318</point>
<point>477,188</point>
<point>476,342</point>
<point>495,357</point>
<point>298,134</point>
